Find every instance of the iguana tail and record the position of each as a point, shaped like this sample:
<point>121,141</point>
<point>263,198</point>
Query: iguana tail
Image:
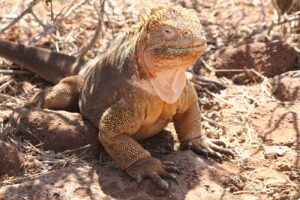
<point>51,66</point>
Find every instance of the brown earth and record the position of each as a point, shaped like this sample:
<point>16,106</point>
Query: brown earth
<point>11,159</point>
<point>269,59</point>
<point>262,131</point>
<point>201,178</point>
<point>57,130</point>
<point>277,124</point>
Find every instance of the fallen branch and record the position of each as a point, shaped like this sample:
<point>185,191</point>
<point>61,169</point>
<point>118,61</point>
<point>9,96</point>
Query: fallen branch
<point>86,48</point>
<point>5,96</point>
<point>52,28</point>
<point>6,66</point>
<point>14,72</point>
<point>9,16</point>
<point>212,122</point>
<point>5,78</point>
<point>38,20</point>
<point>290,18</point>
<point>27,10</point>
<point>4,85</point>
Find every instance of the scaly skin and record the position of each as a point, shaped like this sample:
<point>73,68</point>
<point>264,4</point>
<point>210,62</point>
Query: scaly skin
<point>137,87</point>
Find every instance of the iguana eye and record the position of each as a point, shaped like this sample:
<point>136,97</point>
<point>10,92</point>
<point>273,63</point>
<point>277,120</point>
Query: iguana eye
<point>168,32</point>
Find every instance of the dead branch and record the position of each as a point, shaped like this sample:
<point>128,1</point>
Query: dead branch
<point>27,10</point>
<point>86,48</point>
<point>6,66</point>
<point>5,78</point>
<point>38,20</point>
<point>9,16</point>
<point>51,8</point>
<point>4,85</point>
<point>15,72</point>
<point>212,122</point>
<point>5,96</point>
<point>56,22</point>
<point>263,10</point>
<point>290,18</point>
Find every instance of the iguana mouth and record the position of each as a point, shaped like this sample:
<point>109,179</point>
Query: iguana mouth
<point>182,48</point>
<point>186,47</point>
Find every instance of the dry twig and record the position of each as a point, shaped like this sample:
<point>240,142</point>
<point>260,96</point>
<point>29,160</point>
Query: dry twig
<point>86,48</point>
<point>14,72</point>
<point>4,85</point>
<point>290,18</point>
<point>27,10</point>
<point>38,20</point>
<point>56,22</point>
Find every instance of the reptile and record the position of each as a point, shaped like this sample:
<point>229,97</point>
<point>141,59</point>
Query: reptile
<point>133,90</point>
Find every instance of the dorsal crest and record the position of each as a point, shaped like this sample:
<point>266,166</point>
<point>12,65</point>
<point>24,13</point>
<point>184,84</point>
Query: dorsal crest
<point>145,17</point>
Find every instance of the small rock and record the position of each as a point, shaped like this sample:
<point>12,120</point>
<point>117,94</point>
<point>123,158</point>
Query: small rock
<point>287,89</point>
<point>283,167</point>
<point>294,175</point>
<point>275,182</point>
<point>236,183</point>
<point>273,151</point>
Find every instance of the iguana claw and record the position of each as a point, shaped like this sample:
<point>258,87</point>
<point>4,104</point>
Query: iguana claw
<point>209,148</point>
<point>155,169</point>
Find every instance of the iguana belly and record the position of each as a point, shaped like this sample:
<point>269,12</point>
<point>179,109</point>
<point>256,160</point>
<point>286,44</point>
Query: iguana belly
<point>159,114</point>
<point>151,130</point>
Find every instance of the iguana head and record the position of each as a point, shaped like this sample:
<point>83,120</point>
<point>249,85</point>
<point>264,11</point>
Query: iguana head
<point>171,38</point>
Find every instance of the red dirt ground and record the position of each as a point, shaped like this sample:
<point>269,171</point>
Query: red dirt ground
<point>56,154</point>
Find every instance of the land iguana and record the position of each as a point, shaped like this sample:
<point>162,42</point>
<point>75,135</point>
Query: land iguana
<point>133,90</point>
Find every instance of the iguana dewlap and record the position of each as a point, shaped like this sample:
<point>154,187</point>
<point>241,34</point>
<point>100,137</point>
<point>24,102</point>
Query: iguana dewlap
<point>133,90</point>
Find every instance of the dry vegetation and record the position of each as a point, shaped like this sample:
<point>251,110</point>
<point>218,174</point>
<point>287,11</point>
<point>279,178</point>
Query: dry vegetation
<point>241,115</point>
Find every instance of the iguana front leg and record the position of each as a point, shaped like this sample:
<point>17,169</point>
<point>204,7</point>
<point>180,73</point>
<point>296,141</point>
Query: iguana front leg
<point>188,128</point>
<point>117,124</point>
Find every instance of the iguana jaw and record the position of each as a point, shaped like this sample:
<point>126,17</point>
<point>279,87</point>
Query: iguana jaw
<point>181,50</point>
<point>189,45</point>
<point>186,51</point>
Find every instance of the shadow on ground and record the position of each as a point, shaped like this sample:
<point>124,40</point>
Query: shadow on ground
<point>200,178</point>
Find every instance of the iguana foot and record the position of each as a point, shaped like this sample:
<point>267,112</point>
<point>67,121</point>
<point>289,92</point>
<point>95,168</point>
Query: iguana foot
<point>209,148</point>
<point>155,169</point>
